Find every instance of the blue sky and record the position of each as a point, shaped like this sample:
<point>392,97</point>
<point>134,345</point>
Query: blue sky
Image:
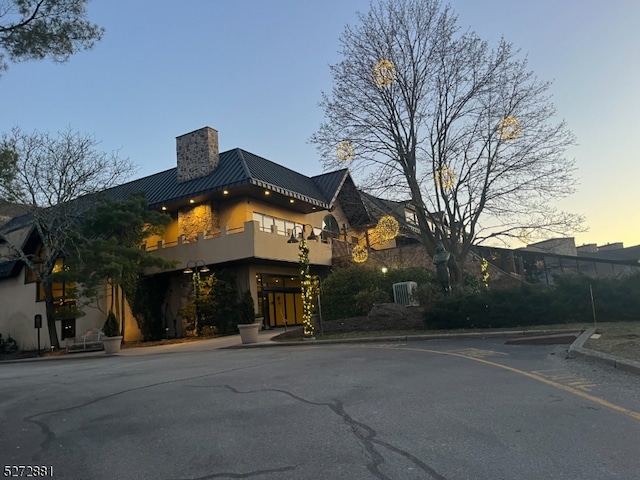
<point>254,70</point>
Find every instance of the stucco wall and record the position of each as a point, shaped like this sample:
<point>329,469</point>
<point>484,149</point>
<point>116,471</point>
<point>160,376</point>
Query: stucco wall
<point>18,307</point>
<point>17,310</point>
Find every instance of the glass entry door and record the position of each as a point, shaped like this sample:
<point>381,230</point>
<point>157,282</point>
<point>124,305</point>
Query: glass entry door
<point>282,299</point>
<point>284,306</point>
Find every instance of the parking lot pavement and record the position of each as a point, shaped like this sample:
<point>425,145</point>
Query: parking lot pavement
<point>446,409</point>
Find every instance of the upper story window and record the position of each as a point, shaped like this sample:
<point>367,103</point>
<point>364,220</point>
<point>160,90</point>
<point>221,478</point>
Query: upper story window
<point>282,226</point>
<point>61,290</point>
<point>410,216</point>
<point>330,228</point>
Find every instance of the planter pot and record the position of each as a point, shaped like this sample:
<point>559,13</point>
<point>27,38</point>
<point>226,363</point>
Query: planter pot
<point>111,344</point>
<point>249,332</point>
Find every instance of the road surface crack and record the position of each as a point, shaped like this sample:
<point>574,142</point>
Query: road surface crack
<point>49,435</point>
<point>364,433</point>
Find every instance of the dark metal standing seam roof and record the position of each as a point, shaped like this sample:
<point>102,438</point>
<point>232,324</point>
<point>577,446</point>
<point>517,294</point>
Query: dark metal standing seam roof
<point>266,173</point>
<point>330,183</point>
<point>236,167</point>
<point>163,187</point>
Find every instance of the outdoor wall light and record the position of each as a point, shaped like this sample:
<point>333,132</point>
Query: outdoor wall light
<point>312,235</point>
<point>193,265</point>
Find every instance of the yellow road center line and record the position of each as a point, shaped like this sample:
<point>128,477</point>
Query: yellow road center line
<point>581,394</point>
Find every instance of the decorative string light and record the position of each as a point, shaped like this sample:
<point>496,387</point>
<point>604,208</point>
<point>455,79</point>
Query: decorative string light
<point>344,151</point>
<point>387,228</point>
<point>384,73</point>
<point>446,178</point>
<point>484,268</point>
<point>509,128</point>
<point>359,254</point>
<point>307,287</point>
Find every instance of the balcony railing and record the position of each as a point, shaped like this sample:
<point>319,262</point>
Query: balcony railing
<point>238,243</point>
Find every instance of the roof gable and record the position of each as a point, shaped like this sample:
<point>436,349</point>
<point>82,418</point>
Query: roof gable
<point>331,183</point>
<point>236,167</point>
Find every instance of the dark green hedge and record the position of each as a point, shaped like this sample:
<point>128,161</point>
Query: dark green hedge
<point>615,299</point>
<point>342,286</point>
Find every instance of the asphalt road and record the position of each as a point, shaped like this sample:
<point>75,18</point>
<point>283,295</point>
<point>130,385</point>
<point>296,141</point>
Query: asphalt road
<point>456,409</point>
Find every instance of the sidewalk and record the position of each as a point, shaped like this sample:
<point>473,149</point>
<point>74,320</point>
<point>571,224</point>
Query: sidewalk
<point>577,350</point>
<point>265,339</point>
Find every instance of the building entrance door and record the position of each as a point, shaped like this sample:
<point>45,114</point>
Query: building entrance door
<point>282,299</point>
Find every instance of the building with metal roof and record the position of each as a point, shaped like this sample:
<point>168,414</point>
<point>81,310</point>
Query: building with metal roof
<point>231,211</point>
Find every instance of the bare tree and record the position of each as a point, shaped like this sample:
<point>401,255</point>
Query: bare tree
<point>428,112</point>
<point>54,179</point>
<point>35,29</point>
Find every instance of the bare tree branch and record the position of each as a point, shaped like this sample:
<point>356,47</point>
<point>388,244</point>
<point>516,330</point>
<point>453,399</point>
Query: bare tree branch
<point>444,112</point>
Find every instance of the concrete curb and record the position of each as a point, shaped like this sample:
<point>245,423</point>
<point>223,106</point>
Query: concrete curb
<point>577,350</point>
<point>401,338</point>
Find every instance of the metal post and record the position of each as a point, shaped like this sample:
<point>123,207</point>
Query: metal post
<point>37,322</point>
<point>593,308</point>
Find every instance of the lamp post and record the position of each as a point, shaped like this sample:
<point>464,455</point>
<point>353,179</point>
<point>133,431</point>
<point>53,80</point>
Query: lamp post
<point>194,268</point>
<point>306,281</point>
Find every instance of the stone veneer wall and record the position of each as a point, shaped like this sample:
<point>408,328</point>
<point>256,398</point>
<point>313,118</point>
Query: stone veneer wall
<point>197,154</point>
<point>200,218</point>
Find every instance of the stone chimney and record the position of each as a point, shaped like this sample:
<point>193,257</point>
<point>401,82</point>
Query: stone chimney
<point>197,153</point>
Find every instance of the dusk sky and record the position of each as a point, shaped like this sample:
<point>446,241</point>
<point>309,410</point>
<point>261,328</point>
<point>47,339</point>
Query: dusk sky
<point>254,70</point>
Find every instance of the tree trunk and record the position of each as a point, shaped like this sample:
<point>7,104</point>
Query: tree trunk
<point>123,310</point>
<point>51,317</point>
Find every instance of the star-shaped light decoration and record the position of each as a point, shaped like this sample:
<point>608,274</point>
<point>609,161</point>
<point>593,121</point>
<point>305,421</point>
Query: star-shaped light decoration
<point>344,151</point>
<point>384,73</point>
<point>359,254</point>
<point>446,178</point>
<point>509,128</point>
<point>387,228</point>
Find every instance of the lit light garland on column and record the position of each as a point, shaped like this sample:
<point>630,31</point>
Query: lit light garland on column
<point>306,284</point>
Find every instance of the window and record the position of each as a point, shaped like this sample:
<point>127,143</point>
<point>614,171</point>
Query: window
<point>410,217</point>
<point>68,328</point>
<point>330,228</point>
<point>282,226</point>
<point>61,290</point>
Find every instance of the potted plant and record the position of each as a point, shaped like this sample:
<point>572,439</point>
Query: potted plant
<point>248,326</point>
<point>111,331</point>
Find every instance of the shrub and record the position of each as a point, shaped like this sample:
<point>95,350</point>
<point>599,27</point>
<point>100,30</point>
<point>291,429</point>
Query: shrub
<point>429,294</point>
<point>111,327</point>
<point>340,288</point>
<point>615,299</point>
<point>246,309</point>
<point>366,299</point>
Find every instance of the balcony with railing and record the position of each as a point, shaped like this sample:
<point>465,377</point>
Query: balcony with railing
<point>241,243</point>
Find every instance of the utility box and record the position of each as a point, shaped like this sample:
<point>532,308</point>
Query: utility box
<point>404,293</point>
